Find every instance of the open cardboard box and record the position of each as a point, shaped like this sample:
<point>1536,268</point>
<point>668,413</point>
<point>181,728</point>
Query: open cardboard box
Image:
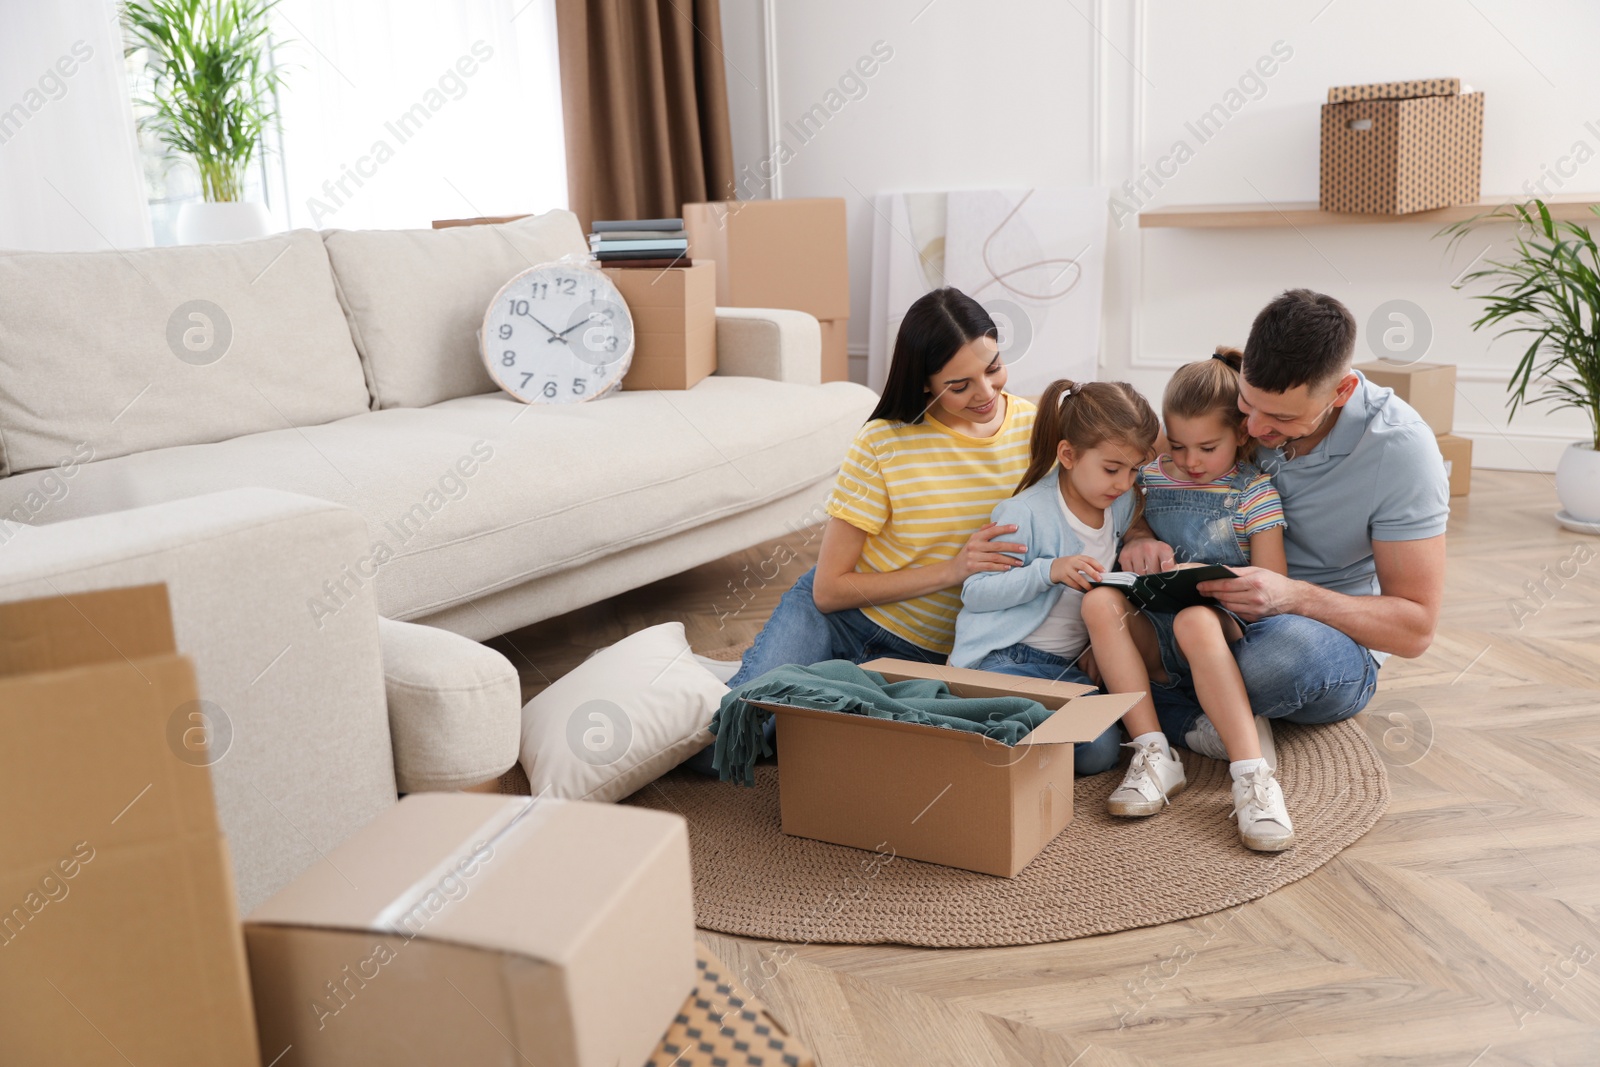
<point>119,942</point>
<point>935,794</point>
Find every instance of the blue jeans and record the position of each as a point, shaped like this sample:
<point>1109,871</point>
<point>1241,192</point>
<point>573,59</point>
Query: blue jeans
<point>799,633</point>
<point>1025,661</point>
<point>1294,668</point>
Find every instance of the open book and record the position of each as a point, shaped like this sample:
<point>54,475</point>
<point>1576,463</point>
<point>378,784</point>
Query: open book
<point>1169,591</point>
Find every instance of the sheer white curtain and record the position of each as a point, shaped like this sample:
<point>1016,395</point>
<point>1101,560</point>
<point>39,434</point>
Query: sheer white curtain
<point>69,160</point>
<point>398,112</point>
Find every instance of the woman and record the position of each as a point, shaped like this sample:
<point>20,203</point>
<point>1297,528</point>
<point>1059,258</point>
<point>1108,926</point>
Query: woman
<point>909,513</point>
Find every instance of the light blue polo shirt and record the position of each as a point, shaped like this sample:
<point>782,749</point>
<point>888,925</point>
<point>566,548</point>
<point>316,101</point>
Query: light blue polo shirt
<point>1378,476</point>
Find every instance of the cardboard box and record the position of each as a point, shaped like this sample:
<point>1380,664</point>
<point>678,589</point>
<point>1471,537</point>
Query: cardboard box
<point>1457,453</point>
<point>674,313</point>
<point>775,253</point>
<point>119,942</point>
<point>1400,147</point>
<point>473,929</point>
<point>721,1025</point>
<point>1430,388</point>
<point>927,793</point>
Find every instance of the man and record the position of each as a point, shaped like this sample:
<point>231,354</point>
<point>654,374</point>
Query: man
<point>1366,498</point>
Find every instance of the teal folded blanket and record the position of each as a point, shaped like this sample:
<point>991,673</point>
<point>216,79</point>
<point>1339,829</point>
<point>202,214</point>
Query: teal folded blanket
<point>838,685</point>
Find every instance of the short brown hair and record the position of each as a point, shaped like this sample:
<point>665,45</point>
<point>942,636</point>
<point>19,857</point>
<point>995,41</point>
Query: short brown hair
<point>1086,414</point>
<point>1301,338</point>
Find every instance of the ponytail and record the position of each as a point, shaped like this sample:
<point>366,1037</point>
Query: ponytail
<point>1208,387</point>
<point>1085,414</point>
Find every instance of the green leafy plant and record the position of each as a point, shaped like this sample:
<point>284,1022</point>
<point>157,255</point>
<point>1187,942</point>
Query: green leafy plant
<point>1548,290</point>
<point>213,82</point>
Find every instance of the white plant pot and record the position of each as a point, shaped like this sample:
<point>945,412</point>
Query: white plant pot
<point>1578,482</point>
<point>207,223</point>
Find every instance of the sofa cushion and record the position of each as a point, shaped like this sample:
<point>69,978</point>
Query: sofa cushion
<point>480,494</point>
<point>454,708</point>
<point>620,719</point>
<point>112,353</point>
<point>416,298</point>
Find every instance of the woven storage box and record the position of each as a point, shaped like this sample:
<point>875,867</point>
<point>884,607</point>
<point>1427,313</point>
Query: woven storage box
<point>1399,147</point>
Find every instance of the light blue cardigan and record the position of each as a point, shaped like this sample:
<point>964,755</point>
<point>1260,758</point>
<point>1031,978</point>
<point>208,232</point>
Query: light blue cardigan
<point>1001,608</point>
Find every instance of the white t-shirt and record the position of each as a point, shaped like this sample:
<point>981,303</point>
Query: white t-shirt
<point>1063,631</point>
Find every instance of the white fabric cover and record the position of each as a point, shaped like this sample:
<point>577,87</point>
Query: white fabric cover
<point>785,346</point>
<point>454,708</point>
<point>416,298</point>
<point>476,495</point>
<point>310,759</point>
<point>620,719</point>
<point>86,360</point>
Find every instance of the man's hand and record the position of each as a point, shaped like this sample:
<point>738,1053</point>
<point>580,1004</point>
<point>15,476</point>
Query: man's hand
<point>1255,594</point>
<point>1146,555</point>
<point>1070,571</point>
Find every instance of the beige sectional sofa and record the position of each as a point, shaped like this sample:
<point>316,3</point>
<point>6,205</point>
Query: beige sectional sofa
<point>297,436</point>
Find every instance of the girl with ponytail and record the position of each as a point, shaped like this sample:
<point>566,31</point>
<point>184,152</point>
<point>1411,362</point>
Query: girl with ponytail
<point>1206,499</point>
<point>1071,508</point>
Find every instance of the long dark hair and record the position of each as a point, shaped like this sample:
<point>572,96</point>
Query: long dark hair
<point>1085,414</point>
<point>935,328</point>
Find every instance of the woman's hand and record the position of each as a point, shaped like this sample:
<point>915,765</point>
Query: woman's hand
<point>983,553</point>
<point>1071,570</point>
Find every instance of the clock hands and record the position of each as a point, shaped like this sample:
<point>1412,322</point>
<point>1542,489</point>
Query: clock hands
<point>547,329</point>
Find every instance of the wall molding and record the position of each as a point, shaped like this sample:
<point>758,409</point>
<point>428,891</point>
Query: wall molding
<point>769,43</point>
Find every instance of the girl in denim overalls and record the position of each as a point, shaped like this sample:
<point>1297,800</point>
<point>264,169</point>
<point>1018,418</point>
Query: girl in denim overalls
<point>1206,499</point>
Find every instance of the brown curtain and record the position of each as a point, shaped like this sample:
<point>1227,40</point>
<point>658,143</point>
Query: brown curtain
<point>646,106</point>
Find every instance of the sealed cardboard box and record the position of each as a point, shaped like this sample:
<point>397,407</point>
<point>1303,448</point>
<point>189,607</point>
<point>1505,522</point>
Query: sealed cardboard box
<point>775,253</point>
<point>1430,388</point>
<point>929,793</point>
<point>118,937</point>
<point>472,929</point>
<point>1457,453</point>
<point>674,313</point>
<point>1400,147</point>
<point>721,1025</point>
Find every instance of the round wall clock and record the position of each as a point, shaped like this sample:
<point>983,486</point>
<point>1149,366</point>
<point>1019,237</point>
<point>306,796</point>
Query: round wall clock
<point>558,333</point>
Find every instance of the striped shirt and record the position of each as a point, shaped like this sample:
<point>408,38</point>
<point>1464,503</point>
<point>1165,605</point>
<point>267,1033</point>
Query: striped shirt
<point>1260,508</point>
<point>919,491</point>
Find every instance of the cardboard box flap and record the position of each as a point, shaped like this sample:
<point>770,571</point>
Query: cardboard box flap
<point>80,629</point>
<point>970,683</point>
<point>499,873</point>
<point>1406,90</point>
<point>1082,719</point>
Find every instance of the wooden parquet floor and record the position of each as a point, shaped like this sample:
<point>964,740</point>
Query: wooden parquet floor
<point>1463,930</point>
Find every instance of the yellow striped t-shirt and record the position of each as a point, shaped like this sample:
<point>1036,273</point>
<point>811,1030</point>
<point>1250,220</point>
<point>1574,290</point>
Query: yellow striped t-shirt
<point>920,490</point>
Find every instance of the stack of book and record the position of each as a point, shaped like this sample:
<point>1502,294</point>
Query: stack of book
<point>640,243</point>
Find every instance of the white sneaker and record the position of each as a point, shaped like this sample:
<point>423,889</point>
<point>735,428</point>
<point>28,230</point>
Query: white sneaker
<point>1263,819</point>
<point>1204,739</point>
<point>1153,779</point>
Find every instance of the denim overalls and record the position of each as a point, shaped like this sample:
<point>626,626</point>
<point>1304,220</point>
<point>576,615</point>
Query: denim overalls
<point>1198,524</point>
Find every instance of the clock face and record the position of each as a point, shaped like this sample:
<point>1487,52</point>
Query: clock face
<point>557,334</point>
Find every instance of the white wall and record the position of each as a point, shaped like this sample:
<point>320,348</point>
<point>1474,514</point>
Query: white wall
<point>1018,93</point>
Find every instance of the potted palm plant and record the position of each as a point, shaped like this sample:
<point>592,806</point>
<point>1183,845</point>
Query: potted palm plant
<point>213,85</point>
<point>1548,290</point>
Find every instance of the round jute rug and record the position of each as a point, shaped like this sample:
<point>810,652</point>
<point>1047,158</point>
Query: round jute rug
<point>1100,875</point>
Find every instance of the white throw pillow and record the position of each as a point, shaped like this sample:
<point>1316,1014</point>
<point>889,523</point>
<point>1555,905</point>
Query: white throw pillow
<point>620,719</point>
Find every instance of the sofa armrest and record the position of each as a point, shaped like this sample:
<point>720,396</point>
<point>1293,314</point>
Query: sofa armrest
<point>785,346</point>
<point>268,602</point>
<point>455,708</point>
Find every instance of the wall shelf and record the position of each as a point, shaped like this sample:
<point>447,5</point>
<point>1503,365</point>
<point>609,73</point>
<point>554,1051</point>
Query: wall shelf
<point>1300,214</point>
